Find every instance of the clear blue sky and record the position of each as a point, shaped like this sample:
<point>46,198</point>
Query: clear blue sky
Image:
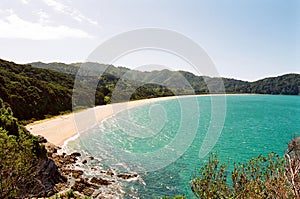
<point>246,39</point>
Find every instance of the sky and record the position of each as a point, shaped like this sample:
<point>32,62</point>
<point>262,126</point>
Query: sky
<point>245,39</point>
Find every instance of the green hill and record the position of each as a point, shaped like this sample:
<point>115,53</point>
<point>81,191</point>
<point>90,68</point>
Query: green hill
<point>288,84</point>
<point>38,90</point>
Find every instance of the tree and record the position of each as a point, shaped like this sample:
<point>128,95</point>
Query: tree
<point>17,164</point>
<point>19,155</point>
<point>261,177</point>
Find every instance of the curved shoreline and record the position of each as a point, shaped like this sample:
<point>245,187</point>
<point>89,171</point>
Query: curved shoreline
<point>61,129</point>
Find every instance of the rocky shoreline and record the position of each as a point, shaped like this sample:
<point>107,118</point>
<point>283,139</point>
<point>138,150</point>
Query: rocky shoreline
<point>60,172</point>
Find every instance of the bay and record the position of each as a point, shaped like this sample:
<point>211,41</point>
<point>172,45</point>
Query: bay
<point>142,139</point>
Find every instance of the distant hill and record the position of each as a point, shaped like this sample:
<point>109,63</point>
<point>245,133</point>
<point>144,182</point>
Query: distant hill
<point>288,84</point>
<point>38,90</point>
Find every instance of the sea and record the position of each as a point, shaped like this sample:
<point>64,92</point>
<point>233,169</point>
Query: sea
<point>165,142</point>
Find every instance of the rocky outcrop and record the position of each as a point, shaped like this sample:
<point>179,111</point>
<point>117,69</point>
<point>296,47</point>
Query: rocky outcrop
<point>55,172</point>
<point>48,179</point>
<point>127,176</point>
<point>100,181</point>
<point>76,173</point>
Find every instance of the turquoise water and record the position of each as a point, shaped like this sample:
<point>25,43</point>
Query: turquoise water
<point>155,140</point>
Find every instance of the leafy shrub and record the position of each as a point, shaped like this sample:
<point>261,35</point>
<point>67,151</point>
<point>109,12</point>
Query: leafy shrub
<point>261,177</point>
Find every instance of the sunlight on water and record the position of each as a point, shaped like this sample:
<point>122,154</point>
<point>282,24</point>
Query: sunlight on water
<point>254,124</point>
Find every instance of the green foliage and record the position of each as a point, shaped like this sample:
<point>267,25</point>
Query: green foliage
<point>70,194</point>
<point>261,177</point>
<point>212,180</point>
<point>32,92</point>
<point>17,164</point>
<point>47,89</point>
<point>19,154</point>
<point>38,92</point>
<point>175,81</point>
<point>174,197</point>
<point>7,121</point>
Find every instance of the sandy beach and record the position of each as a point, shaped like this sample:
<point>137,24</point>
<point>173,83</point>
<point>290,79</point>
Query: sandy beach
<point>60,128</point>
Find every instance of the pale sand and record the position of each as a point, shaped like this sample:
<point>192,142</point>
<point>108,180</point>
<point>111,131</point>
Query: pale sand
<point>59,129</point>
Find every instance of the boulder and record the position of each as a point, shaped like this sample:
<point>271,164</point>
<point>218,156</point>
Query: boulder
<point>91,158</point>
<point>109,173</point>
<point>77,173</point>
<point>75,154</point>
<point>41,139</point>
<point>100,181</point>
<point>84,162</point>
<point>127,176</point>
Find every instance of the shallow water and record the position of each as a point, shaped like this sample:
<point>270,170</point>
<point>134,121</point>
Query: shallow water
<point>161,141</point>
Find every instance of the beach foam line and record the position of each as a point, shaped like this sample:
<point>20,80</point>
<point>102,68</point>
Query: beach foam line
<point>62,129</point>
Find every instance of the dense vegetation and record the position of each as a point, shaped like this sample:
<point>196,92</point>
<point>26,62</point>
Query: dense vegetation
<point>36,92</point>
<point>261,177</point>
<point>19,155</point>
<point>288,84</point>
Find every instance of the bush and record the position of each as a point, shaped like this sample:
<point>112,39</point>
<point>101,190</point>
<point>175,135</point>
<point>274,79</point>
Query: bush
<point>18,156</point>
<point>261,177</point>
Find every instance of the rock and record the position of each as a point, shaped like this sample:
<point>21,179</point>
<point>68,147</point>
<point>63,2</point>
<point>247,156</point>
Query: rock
<point>41,139</point>
<point>47,176</point>
<point>83,186</point>
<point>78,185</point>
<point>100,181</point>
<point>88,191</point>
<point>77,173</point>
<point>110,173</point>
<point>60,186</point>
<point>69,159</point>
<point>127,176</point>
<point>51,148</point>
<point>84,162</point>
<point>91,157</point>
<point>75,154</point>
<point>67,171</point>
<point>54,156</point>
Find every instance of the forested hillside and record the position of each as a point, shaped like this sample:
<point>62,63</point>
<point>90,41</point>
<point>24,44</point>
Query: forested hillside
<point>39,90</point>
<point>22,160</point>
<point>28,92</point>
<point>288,84</point>
<point>38,93</point>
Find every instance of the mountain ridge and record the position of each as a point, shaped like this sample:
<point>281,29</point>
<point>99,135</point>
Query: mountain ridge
<point>49,65</point>
<point>35,91</point>
<point>198,83</point>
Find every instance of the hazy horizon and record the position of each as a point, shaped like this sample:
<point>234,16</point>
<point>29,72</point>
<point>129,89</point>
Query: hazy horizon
<point>229,77</point>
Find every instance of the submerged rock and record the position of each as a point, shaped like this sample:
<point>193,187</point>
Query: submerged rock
<point>91,158</point>
<point>100,181</point>
<point>83,186</point>
<point>76,154</point>
<point>84,162</point>
<point>127,176</point>
<point>109,173</point>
